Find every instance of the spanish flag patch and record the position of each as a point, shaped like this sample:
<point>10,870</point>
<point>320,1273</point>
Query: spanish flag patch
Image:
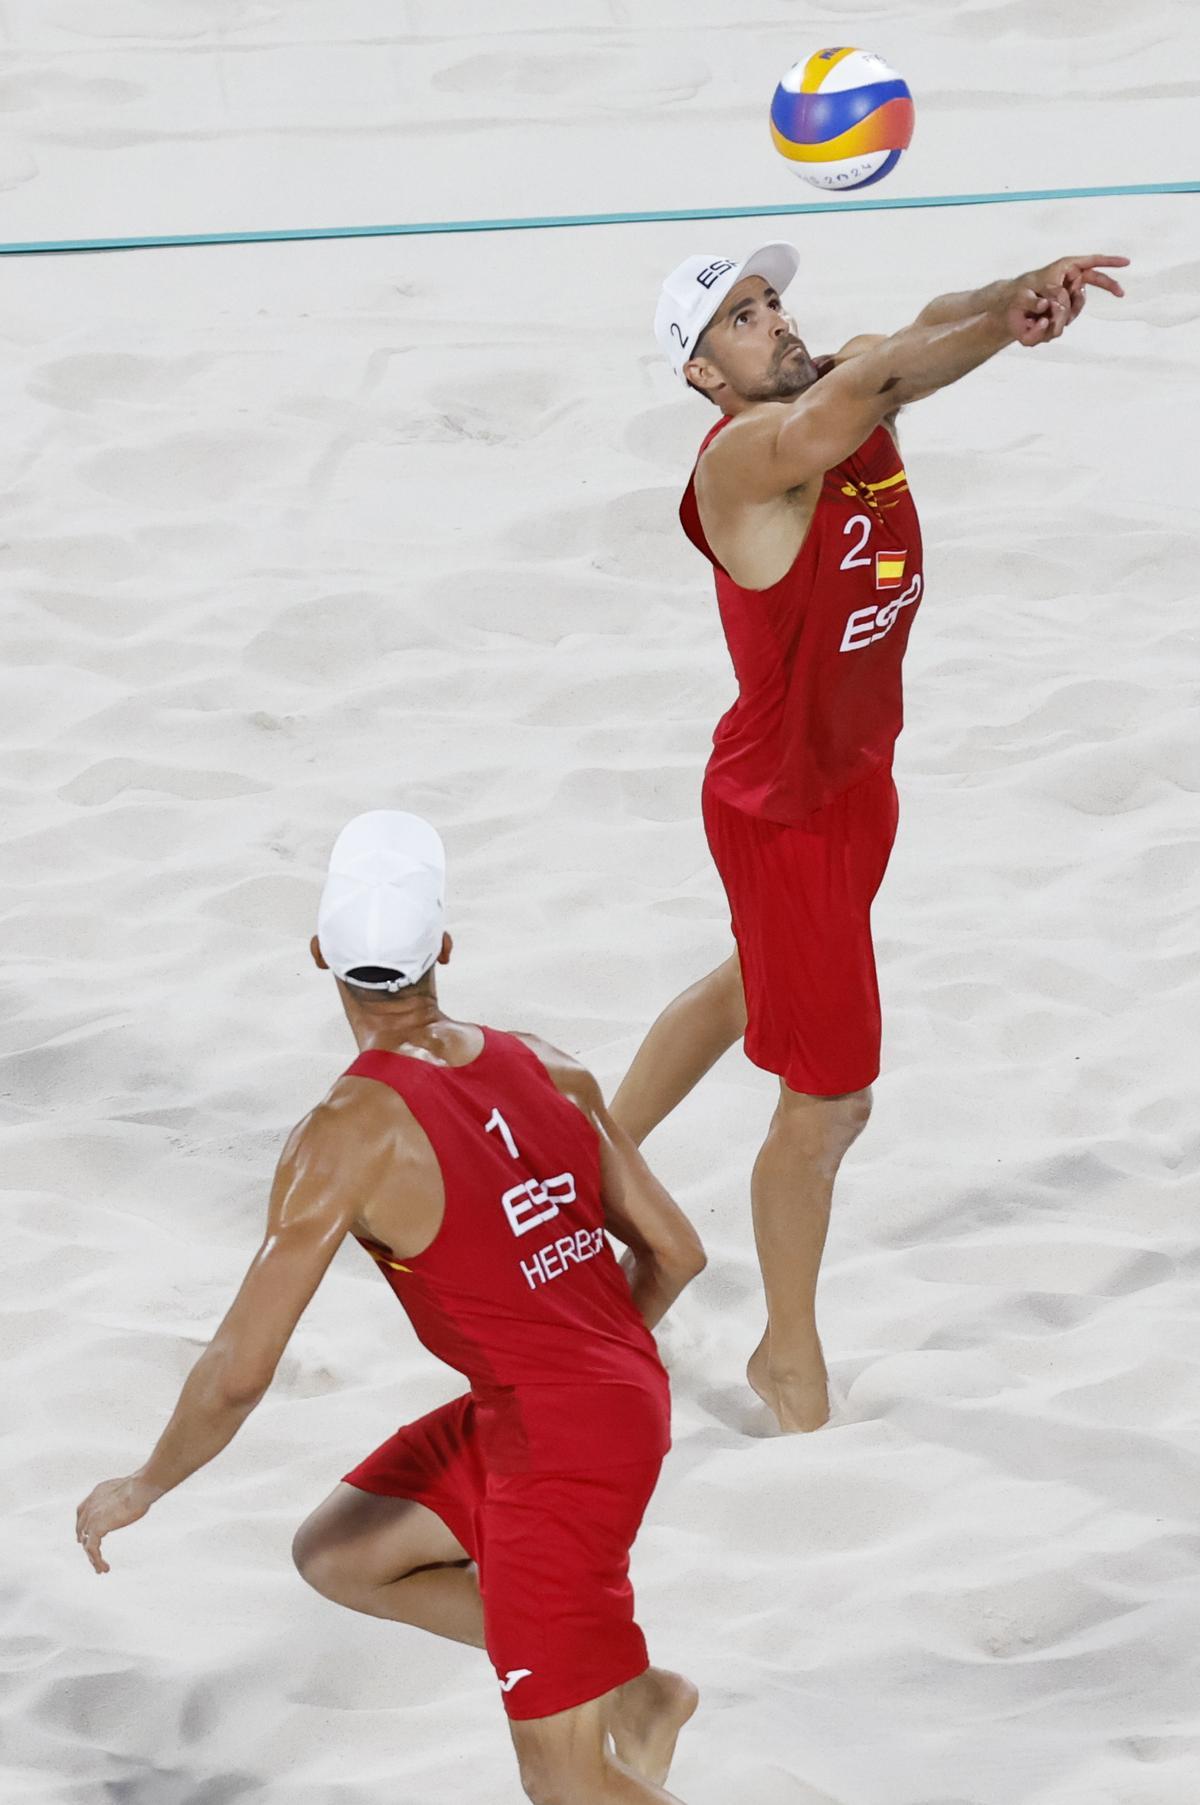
<point>889,569</point>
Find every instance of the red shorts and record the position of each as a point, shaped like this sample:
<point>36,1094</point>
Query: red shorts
<point>800,898</point>
<point>552,1551</point>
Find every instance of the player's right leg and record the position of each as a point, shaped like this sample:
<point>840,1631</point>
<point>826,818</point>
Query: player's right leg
<point>563,1634</point>
<point>684,1043</point>
<point>393,1558</point>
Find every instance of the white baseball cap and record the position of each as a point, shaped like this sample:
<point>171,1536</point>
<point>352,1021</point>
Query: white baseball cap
<point>383,908</point>
<point>692,294</point>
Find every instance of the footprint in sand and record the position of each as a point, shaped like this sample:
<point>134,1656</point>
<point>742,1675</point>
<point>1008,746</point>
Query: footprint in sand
<point>77,382</point>
<point>35,91</point>
<point>114,776</point>
<point>189,470</point>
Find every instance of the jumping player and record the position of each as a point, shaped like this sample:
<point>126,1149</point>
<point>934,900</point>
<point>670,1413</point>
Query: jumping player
<point>800,502</point>
<point>480,1171</point>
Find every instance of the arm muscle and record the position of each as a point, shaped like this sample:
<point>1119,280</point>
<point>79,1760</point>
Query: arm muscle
<point>771,450</point>
<point>665,1252</point>
<point>311,1208</point>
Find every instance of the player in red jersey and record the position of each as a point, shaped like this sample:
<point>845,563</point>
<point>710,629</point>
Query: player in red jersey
<point>480,1171</point>
<point>801,504</point>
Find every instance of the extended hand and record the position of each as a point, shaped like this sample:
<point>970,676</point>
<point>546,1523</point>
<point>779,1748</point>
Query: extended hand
<point>113,1505</point>
<point>1046,301</point>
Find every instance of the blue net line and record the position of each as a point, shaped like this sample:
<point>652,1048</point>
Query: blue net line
<point>553,221</point>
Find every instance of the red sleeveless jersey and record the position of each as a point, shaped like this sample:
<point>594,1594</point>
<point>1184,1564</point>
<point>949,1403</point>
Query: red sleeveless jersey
<point>521,1291</point>
<point>817,656</point>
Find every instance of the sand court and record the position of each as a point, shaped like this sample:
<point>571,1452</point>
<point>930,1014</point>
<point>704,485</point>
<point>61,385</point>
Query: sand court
<point>295,530</point>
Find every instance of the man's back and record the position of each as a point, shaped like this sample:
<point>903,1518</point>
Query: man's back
<point>482,1173</point>
<point>514,1283</point>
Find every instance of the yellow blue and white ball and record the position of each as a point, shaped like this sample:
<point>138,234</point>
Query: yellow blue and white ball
<point>842,118</point>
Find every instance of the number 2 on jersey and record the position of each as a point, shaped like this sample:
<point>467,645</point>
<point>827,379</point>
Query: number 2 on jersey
<point>852,560</point>
<point>496,1120</point>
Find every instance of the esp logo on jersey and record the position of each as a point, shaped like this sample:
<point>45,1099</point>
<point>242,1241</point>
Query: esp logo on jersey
<point>867,625</point>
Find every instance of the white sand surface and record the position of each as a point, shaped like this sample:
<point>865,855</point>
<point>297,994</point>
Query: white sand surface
<point>293,531</point>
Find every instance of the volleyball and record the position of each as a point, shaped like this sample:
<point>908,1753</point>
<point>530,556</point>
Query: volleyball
<point>842,118</point>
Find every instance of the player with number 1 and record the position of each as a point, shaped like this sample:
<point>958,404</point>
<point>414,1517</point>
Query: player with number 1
<point>482,1174</point>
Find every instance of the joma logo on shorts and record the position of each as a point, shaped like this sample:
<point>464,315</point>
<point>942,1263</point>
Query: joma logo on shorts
<point>866,625</point>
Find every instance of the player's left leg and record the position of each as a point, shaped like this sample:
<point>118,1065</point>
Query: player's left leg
<point>683,1044</point>
<point>801,901</point>
<point>397,1537</point>
<point>565,1760</point>
<point>792,1195</point>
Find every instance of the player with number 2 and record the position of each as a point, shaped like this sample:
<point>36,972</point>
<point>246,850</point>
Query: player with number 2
<point>800,502</point>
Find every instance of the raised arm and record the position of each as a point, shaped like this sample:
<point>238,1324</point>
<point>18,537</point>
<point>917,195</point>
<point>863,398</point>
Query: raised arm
<point>664,1252</point>
<point>771,450</point>
<point>313,1202</point>
<point>1061,289</point>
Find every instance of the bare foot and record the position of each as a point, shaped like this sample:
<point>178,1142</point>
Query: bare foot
<point>798,1397</point>
<point>647,1716</point>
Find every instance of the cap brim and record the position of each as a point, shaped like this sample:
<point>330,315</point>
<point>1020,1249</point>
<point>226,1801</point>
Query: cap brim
<point>776,263</point>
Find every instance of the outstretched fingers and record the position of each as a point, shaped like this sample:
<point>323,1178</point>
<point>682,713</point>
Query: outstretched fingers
<point>1056,296</point>
<point>1094,278</point>
<point>1090,271</point>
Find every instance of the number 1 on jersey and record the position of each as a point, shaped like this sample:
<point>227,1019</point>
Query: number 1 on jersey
<point>496,1120</point>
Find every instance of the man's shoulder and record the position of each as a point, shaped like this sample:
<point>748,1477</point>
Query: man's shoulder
<point>727,470</point>
<point>557,1063</point>
<point>355,1112</point>
<point>565,1072</point>
<point>731,437</point>
<point>349,1144</point>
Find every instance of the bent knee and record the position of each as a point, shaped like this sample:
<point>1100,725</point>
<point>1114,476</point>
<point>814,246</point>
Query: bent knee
<point>306,1554</point>
<point>318,1560</point>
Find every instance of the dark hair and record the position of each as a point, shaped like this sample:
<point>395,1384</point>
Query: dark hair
<point>364,978</point>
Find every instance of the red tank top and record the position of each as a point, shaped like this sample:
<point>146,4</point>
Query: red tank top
<point>521,1291</point>
<point>817,656</point>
